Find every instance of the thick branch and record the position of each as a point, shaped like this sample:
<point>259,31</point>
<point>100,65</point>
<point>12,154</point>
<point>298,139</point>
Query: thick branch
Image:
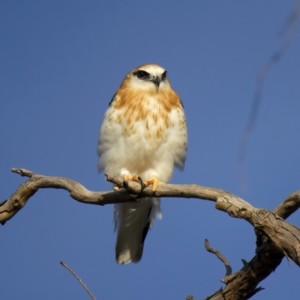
<point>277,239</point>
<point>78,192</point>
<point>174,190</point>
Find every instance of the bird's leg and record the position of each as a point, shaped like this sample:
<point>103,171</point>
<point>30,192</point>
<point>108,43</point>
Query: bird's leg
<point>154,182</point>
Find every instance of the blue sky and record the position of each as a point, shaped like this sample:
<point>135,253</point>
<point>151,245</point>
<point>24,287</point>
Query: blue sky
<point>61,62</point>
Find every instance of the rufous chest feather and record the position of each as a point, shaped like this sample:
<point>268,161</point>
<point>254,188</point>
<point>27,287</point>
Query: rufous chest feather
<point>134,108</point>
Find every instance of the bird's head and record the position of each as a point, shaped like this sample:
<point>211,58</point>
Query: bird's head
<point>148,77</point>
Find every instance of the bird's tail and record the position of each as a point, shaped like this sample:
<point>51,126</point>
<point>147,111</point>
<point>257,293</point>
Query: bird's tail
<point>133,221</point>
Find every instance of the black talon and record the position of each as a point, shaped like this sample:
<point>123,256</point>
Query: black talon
<point>125,184</point>
<point>142,184</point>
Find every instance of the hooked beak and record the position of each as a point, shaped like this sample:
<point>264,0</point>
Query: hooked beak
<point>157,81</point>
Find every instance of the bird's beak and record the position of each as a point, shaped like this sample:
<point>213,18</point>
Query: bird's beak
<point>157,81</point>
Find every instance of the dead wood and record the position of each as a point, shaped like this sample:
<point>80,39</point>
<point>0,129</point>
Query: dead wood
<point>276,238</point>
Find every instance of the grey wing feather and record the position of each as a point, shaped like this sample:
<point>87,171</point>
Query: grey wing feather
<point>112,99</point>
<point>133,222</point>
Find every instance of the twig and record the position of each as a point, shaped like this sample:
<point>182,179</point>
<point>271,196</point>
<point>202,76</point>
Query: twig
<point>78,278</point>
<point>289,29</point>
<point>288,206</point>
<point>220,256</point>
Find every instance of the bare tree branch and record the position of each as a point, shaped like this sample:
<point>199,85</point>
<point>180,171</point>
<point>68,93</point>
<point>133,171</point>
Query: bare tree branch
<point>288,206</point>
<point>78,192</point>
<point>79,279</point>
<point>275,237</point>
<point>220,256</point>
<point>19,198</point>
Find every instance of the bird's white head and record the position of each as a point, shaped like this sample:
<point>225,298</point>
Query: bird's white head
<point>148,77</point>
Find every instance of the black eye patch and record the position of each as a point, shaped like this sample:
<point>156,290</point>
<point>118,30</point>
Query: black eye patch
<point>164,76</point>
<point>142,75</point>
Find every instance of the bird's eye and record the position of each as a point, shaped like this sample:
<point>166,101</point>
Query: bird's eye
<point>142,75</point>
<point>164,76</point>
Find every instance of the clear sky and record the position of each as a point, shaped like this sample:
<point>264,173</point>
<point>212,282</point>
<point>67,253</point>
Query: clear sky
<point>60,64</point>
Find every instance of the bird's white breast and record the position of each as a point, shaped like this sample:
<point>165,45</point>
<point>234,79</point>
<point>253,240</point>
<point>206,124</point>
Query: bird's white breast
<point>142,138</point>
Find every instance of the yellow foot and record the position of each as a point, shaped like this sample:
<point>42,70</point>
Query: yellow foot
<point>129,178</point>
<point>117,188</point>
<point>154,182</point>
<point>132,178</point>
<point>136,178</point>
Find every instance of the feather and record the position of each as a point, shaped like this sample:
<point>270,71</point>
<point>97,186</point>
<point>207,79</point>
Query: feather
<point>133,221</point>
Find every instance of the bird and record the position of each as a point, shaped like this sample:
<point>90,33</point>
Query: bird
<point>142,137</point>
